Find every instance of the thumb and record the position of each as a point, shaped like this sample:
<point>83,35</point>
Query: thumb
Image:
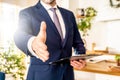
<point>42,34</point>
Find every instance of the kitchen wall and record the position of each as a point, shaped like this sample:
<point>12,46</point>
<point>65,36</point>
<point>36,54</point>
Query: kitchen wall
<point>105,27</point>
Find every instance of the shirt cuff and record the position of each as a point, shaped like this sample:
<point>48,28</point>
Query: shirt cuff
<point>30,46</point>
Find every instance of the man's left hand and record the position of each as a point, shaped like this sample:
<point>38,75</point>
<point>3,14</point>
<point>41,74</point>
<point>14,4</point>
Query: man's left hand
<point>78,64</point>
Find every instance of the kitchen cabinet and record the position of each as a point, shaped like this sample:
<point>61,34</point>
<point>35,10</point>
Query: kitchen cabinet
<point>81,75</point>
<point>106,77</point>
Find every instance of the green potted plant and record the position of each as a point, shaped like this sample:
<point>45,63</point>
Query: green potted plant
<point>84,22</point>
<point>117,58</point>
<point>13,62</point>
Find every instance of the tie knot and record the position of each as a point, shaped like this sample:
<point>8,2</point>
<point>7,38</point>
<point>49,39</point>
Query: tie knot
<point>53,9</point>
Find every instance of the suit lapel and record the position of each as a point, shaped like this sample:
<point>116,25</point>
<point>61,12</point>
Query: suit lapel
<point>41,11</point>
<point>65,19</point>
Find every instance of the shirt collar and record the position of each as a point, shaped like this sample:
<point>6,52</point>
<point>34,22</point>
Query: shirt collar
<point>46,6</point>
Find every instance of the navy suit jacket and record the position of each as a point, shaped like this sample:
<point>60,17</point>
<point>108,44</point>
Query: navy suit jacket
<point>29,26</point>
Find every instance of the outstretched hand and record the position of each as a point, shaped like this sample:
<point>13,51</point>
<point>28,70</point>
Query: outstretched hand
<point>38,44</point>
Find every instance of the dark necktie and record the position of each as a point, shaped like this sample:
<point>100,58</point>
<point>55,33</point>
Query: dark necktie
<point>56,22</point>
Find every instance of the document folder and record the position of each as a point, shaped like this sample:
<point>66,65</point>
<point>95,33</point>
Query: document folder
<point>78,57</point>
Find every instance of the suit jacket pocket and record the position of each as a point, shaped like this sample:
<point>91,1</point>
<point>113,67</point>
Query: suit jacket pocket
<point>40,68</point>
<point>43,73</point>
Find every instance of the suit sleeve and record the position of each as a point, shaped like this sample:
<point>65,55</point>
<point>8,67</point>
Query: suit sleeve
<point>78,44</point>
<point>24,32</point>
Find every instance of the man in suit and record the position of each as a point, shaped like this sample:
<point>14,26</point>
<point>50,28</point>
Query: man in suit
<point>38,37</point>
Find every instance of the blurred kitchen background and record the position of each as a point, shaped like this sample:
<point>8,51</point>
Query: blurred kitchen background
<point>104,31</point>
<point>103,36</point>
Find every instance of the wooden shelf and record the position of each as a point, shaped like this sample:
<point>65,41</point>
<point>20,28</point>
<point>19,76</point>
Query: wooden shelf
<point>97,52</point>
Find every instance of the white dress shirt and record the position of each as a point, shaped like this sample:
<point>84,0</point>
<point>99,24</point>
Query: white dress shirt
<point>48,7</point>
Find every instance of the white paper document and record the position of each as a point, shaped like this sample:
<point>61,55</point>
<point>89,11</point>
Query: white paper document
<point>101,58</point>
